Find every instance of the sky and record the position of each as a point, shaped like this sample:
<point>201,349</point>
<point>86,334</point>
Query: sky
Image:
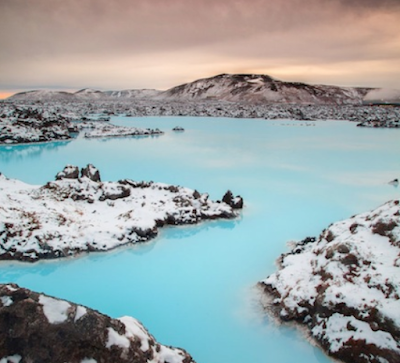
<point>132,44</point>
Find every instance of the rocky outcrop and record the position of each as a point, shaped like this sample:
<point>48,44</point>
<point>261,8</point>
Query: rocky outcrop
<point>69,172</point>
<point>26,125</point>
<point>72,172</point>
<point>76,214</point>
<point>101,129</point>
<point>91,172</point>
<point>234,202</point>
<point>41,329</point>
<point>345,287</point>
<point>178,129</point>
<point>377,123</point>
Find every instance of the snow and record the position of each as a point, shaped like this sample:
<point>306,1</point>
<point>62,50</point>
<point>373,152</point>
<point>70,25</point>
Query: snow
<point>352,267</point>
<point>68,216</point>
<point>169,355</point>
<point>11,359</point>
<point>10,288</point>
<point>162,354</point>
<point>56,311</point>
<point>337,333</point>
<point>116,339</point>
<point>6,300</point>
<point>80,311</point>
<point>135,329</point>
<point>88,360</point>
<point>105,129</point>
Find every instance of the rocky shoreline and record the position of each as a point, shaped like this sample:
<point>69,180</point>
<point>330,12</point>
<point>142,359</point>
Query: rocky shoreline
<point>24,121</point>
<point>35,327</point>
<point>344,287</point>
<point>80,213</point>
<point>25,125</point>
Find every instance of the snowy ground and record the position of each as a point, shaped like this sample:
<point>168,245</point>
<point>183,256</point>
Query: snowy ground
<point>74,214</point>
<point>345,286</point>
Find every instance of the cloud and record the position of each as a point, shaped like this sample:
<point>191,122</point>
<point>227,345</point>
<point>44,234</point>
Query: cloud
<point>62,40</point>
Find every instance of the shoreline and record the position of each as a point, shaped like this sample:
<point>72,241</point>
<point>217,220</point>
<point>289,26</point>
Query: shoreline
<point>342,287</point>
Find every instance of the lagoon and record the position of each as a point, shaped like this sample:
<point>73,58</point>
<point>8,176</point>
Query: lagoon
<point>193,287</point>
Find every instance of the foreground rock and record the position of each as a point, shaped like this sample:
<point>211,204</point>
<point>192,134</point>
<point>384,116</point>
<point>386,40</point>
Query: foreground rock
<point>345,287</point>
<point>39,328</point>
<point>75,214</point>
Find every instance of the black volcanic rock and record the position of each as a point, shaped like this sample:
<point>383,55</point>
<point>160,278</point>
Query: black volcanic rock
<point>91,172</point>
<point>69,172</point>
<point>41,329</point>
<point>234,202</point>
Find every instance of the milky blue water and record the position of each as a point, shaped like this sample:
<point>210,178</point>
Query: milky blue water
<point>192,287</point>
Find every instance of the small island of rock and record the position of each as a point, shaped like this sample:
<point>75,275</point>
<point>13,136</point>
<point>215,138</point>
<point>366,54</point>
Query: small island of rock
<point>78,212</point>
<point>38,328</point>
<point>345,287</point>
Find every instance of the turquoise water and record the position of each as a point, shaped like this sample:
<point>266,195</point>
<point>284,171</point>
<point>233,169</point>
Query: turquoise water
<point>193,286</point>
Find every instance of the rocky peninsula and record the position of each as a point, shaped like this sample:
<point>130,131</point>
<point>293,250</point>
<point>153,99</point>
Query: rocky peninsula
<point>344,286</point>
<point>78,213</point>
<point>35,327</point>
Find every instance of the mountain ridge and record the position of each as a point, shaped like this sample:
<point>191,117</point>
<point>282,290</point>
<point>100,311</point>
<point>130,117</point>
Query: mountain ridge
<point>242,88</point>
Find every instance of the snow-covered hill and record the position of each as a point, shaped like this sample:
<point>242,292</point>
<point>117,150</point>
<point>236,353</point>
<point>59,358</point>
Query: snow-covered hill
<point>243,88</point>
<point>133,93</point>
<point>261,88</point>
<point>42,95</point>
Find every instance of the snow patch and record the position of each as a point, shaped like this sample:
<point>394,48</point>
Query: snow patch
<point>80,311</point>
<point>56,311</point>
<point>11,359</point>
<point>136,329</point>
<point>116,339</point>
<point>6,300</point>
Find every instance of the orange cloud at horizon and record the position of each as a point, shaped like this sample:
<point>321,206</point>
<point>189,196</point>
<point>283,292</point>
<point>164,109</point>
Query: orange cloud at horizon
<point>4,95</point>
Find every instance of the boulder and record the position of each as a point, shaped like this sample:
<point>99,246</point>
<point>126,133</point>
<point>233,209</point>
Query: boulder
<point>38,328</point>
<point>91,172</point>
<point>69,172</point>
<point>234,202</point>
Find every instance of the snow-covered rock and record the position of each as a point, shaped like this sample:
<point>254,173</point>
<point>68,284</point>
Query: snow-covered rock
<point>104,129</point>
<point>72,214</point>
<point>345,286</point>
<point>25,125</point>
<point>38,328</point>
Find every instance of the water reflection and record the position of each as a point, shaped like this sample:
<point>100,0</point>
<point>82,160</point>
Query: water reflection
<point>11,153</point>
<point>113,138</point>
<point>180,232</point>
<point>12,271</point>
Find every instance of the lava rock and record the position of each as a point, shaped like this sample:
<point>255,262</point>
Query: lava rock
<point>91,172</point>
<point>234,202</point>
<point>69,172</point>
<point>38,328</point>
